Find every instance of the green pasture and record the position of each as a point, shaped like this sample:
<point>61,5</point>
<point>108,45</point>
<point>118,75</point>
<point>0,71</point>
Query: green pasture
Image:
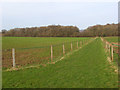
<point>112,39</point>
<point>32,42</point>
<point>86,68</point>
<point>36,50</point>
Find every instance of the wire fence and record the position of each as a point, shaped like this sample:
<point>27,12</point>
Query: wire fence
<point>17,57</point>
<point>110,48</point>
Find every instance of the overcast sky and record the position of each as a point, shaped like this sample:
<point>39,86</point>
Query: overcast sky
<point>80,14</point>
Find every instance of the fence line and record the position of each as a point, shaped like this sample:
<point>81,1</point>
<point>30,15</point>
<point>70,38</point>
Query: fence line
<point>52,53</point>
<point>109,47</point>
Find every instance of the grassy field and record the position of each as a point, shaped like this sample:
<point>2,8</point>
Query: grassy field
<point>85,68</point>
<point>112,39</point>
<point>30,42</point>
<point>36,50</point>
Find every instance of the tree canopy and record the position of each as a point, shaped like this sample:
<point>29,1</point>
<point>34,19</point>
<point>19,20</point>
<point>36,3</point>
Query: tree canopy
<point>63,31</point>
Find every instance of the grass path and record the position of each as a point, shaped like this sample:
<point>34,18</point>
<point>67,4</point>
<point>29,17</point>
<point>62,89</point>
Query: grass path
<point>86,68</point>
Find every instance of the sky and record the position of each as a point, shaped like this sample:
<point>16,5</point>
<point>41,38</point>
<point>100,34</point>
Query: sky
<point>42,13</point>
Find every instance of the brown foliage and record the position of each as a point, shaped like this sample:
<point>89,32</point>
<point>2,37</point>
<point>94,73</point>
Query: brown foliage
<point>63,31</point>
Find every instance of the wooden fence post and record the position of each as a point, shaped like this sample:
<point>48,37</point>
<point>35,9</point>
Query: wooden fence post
<point>106,45</point>
<point>77,44</point>
<point>51,53</point>
<point>109,48</point>
<point>112,52</point>
<point>63,49</point>
<point>13,56</point>
<point>71,46</point>
<point>80,43</point>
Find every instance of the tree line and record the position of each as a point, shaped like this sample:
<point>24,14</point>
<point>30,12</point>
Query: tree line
<point>102,30</point>
<point>63,31</point>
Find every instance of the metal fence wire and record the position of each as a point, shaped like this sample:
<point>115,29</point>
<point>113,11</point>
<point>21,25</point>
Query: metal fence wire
<point>39,55</point>
<point>110,48</point>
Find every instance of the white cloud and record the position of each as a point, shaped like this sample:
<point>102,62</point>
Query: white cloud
<point>59,0</point>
